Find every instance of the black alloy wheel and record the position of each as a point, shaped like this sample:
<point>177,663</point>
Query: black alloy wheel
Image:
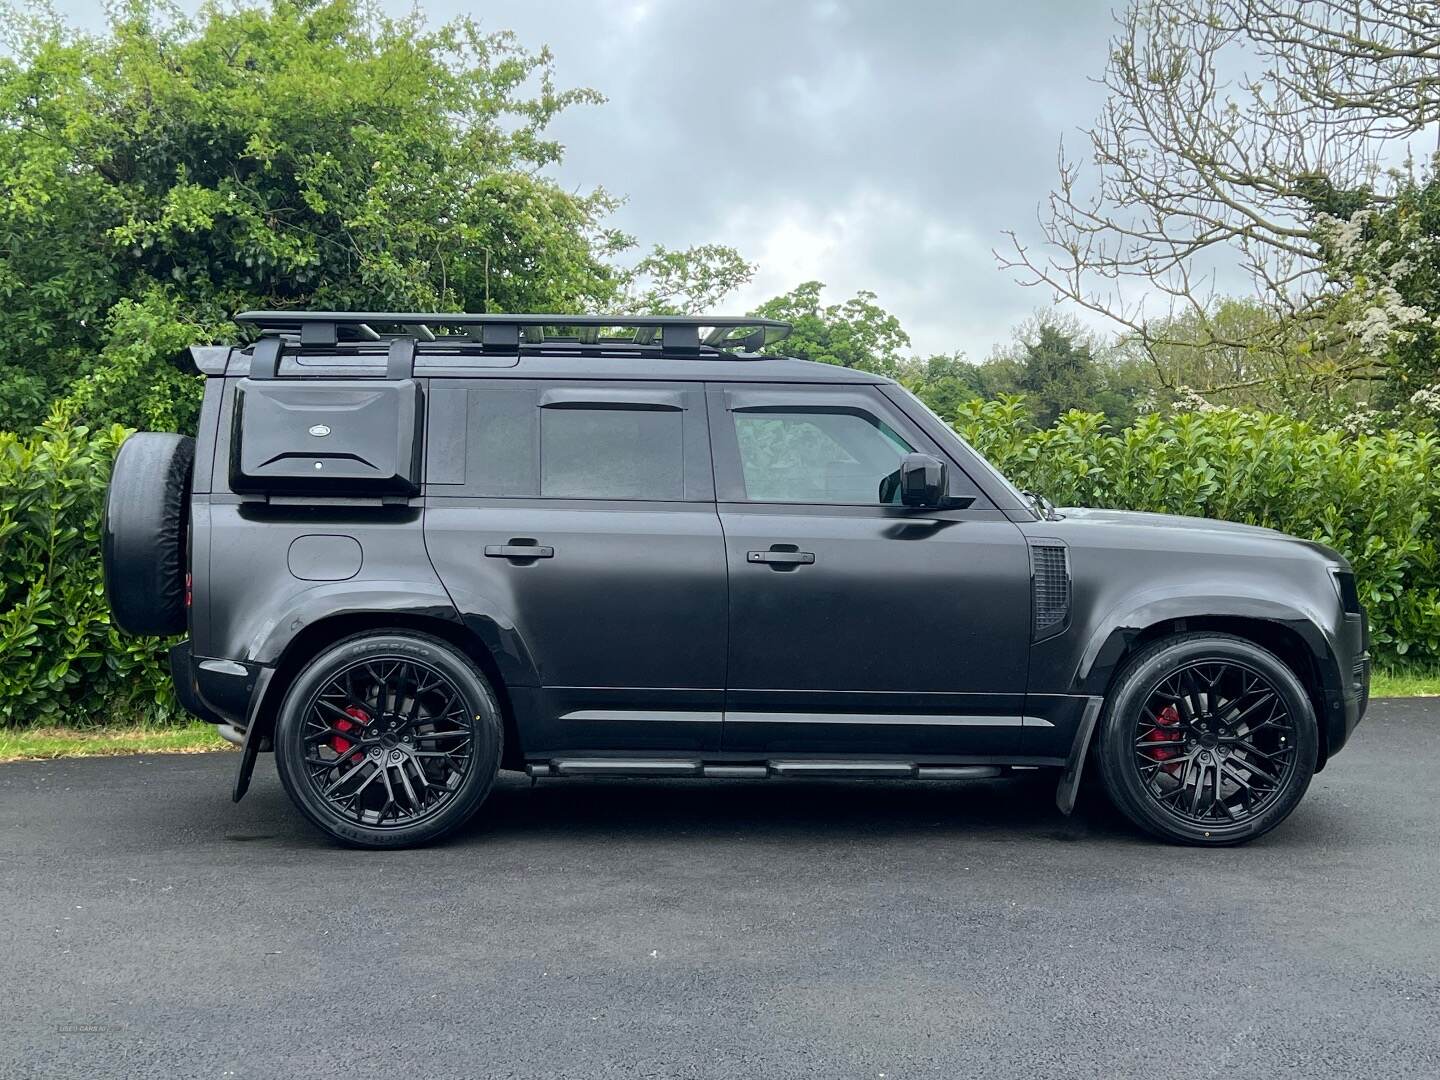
<point>389,739</point>
<point>1214,743</point>
<point>391,720</point>
<point>1207,739</point>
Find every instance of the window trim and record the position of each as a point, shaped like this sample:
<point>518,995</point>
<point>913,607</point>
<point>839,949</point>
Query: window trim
<point>622,399</point>
<point>728,398</point>
<point>565,394</point>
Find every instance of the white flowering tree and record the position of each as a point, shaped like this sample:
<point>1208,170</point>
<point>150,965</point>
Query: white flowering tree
<point>1268,141</point>
<point>1385,256</point>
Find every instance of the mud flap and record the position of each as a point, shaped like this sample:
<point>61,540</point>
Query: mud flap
<point>1070,780</point>
<point>251,750</point>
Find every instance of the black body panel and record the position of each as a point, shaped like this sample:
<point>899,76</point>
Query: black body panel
<point>187,690</point>
<point>621,600</point>
<point>624,615</point>
<point>879,645</point>
<point>872,644</point>
<point>1133,572</point>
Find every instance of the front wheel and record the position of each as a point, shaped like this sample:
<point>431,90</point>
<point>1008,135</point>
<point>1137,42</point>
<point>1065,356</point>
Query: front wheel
<point>1207,739</point>
<point>389,739</point>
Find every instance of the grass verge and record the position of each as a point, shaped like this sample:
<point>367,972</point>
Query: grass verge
<point>1405,682</point>
<point>57,742</point>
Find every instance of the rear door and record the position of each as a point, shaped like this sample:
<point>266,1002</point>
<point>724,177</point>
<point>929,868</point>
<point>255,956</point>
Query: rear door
<point>582,514</point>
<point>856,625</point>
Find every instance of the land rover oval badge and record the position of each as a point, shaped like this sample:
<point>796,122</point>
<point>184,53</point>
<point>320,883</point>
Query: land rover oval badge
<point>319,431</point>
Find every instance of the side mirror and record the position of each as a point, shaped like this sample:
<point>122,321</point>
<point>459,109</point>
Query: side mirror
<point>924,481</point>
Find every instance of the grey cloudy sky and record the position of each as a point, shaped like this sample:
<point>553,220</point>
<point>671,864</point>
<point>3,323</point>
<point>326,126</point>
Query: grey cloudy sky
<point>869,145</point>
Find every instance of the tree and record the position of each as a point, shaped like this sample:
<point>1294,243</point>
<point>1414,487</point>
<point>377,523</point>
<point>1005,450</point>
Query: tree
<point>164,174</point>
<point>1057,372</point>
<point>1198,167</point>
<point>857,333</point>
<point>1183,355</point>
<point>1059,365</point>
<point>946,381</point>
<point>1386,258</point>
<point>686,282</point>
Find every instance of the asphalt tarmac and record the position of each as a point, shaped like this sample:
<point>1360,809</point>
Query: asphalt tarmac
<point>623,928</point>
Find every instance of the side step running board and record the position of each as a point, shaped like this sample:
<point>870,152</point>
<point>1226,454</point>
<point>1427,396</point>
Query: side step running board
<point>616,767</point>
<point>896,770</point>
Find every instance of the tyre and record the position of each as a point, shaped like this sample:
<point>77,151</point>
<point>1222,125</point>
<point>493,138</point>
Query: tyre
<point>389,739</point>
<point>1207,739</point>
<point>143,535</point>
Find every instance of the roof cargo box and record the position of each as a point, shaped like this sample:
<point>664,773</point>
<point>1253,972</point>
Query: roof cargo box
<point>344,437</point>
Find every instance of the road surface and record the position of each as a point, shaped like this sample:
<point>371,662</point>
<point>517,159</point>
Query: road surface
<point>606,928</point>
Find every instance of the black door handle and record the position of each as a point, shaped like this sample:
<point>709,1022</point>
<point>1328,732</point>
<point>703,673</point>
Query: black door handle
<point>525,550</point>
<point>782,558</point>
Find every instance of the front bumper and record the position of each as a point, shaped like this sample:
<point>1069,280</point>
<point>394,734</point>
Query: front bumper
<point>1357,698</point>
<point>1347,707</point>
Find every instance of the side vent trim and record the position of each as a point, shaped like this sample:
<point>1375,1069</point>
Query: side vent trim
<point>1049,588</point>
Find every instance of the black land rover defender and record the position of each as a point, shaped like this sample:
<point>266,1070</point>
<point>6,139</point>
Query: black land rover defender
<point>411,550</point>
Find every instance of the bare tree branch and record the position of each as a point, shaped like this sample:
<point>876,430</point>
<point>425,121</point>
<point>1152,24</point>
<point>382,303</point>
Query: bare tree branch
<point>1227,125</point>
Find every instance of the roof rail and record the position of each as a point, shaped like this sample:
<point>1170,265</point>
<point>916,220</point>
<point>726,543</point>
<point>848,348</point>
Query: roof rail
<point>678,334</point>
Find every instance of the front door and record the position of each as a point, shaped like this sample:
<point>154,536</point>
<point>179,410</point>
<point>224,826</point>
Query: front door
<point>858,626</point>
<point>577,521</point>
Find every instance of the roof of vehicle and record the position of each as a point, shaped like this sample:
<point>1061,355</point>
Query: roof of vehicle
<point>218,360</point>
<point>672,348</point>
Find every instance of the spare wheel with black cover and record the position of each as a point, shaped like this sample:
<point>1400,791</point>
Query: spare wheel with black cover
<point>143,536</point>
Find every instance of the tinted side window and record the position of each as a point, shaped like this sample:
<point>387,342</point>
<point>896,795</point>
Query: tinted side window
<point>569,441</point>
<point>818,456</point>
<point>611,453</point>
<point>503,437</point>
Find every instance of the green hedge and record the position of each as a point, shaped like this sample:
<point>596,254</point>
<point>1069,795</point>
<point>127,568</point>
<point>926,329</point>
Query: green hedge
<point>1374,497</point>
<point>61,662</point>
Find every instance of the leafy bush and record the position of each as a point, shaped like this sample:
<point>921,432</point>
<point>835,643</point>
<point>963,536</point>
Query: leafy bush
<point>1374,498</point>
<point>60,659</point>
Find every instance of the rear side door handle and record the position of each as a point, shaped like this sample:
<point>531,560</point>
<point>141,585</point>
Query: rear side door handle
<point>781,558</point>
<point>523,550</point>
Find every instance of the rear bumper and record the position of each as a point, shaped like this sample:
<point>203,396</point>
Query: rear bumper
<point>215,690</point>
<point>182,672</point>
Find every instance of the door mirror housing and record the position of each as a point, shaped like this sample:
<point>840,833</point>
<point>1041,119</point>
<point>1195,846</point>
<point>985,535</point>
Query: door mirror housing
<point>925,484</point>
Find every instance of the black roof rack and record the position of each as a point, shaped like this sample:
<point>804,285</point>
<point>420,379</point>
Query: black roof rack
<point>677,334</point>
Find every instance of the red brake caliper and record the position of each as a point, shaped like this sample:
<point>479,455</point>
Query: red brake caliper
<point>342,746</point>
<point>1168,717</point>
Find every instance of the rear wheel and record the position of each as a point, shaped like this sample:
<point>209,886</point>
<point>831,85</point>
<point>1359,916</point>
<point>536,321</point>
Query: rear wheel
<point>389,739</point>
<point>1207,739</point>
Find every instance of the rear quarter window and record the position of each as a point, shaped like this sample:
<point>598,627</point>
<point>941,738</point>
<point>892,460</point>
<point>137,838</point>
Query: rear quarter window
<point>611,453</point>
<point>521,442</point>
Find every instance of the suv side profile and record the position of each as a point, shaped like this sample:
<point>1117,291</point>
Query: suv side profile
<point>410,550</point>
